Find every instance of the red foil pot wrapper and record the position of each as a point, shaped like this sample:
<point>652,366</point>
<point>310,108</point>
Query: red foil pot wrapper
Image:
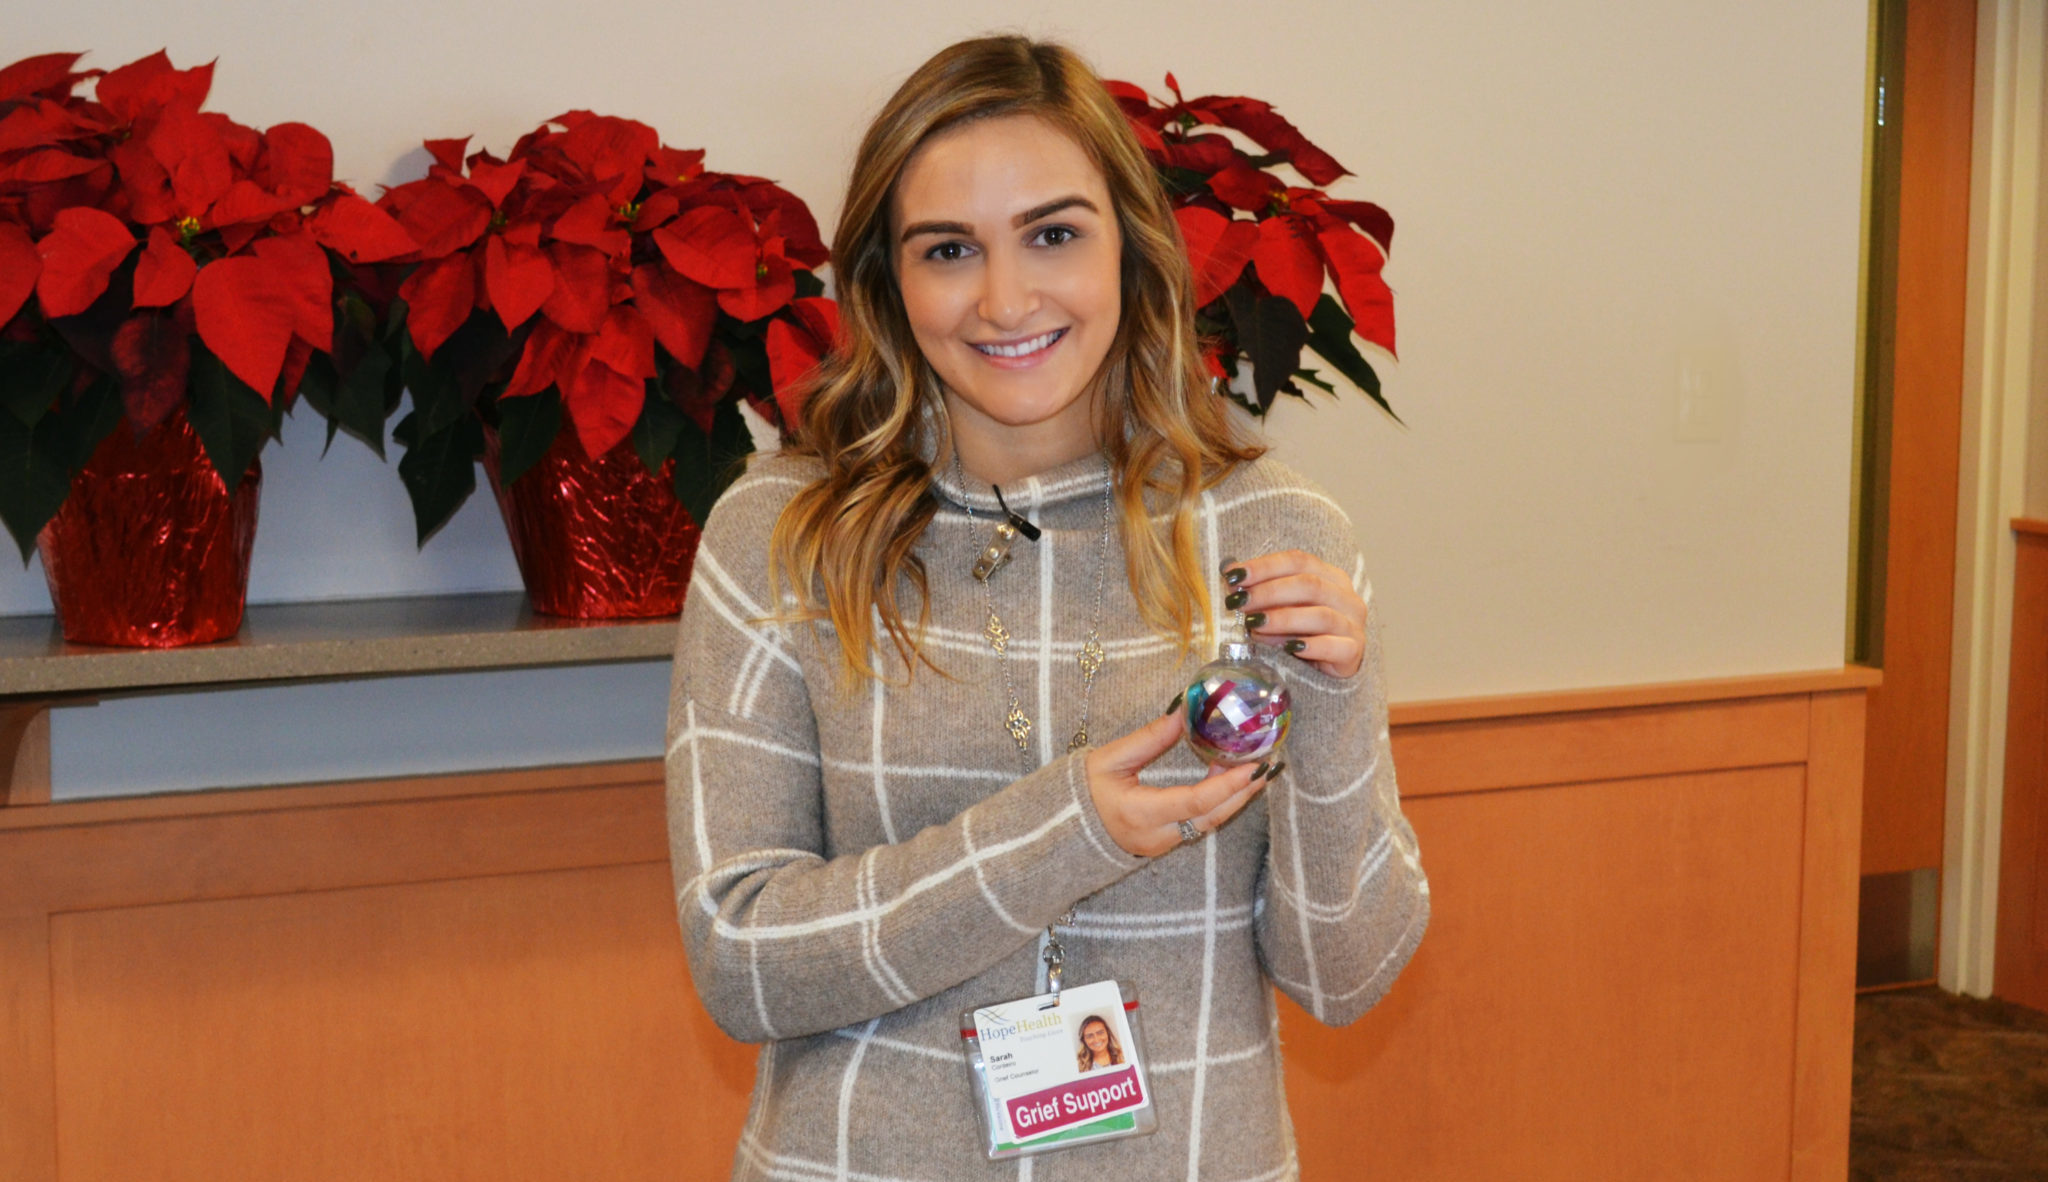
<point>149,549</point>
<point>596,539</point>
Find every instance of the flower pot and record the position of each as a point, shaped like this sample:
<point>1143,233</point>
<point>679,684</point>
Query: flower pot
<point>596,539</point>
<point>150,550</point>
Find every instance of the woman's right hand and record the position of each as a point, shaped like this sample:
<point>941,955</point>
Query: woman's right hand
<point>1146,821</point>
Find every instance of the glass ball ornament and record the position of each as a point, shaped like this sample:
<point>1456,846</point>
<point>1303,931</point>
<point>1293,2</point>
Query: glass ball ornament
<point>1235,710</point>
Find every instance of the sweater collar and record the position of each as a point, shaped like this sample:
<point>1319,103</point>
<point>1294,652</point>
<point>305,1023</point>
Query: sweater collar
<point>1079,479</point>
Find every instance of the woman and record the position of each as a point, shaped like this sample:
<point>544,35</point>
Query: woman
<point>1099,1047</point>
<point>878,818</point>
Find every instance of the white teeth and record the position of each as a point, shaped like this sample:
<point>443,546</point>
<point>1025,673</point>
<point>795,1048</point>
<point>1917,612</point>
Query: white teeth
<point>1031,346</point>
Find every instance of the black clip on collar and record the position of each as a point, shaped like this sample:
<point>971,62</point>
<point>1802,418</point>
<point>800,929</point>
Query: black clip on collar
<point>1016,520</point>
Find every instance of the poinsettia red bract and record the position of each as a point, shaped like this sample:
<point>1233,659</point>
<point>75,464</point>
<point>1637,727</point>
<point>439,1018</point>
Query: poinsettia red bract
<point>140,233</point>
<point>1295,239</point>
<point>598,267</point>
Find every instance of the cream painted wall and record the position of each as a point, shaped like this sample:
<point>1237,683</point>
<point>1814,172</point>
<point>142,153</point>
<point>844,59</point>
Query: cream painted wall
<point>1591,197</point>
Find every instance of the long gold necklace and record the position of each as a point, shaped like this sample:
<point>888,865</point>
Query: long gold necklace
<point>990,558</point>
<point>987,561</point>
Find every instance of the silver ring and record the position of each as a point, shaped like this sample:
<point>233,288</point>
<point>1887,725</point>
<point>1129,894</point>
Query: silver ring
<point>1189,835</point>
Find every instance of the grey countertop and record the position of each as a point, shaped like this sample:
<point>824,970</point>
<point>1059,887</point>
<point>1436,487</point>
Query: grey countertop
<point>339,638</point>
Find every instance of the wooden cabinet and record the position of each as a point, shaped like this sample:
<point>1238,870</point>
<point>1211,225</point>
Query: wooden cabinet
<point>1640,965</point>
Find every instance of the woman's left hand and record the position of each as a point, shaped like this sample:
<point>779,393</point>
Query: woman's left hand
<point>1303,604</point>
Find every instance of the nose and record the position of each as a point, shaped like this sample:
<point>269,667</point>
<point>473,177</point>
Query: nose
<point>1009,298</point>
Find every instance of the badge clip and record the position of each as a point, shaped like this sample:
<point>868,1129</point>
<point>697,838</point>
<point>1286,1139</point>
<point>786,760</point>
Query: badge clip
<point>1055,958</point>
<point>996,553</point>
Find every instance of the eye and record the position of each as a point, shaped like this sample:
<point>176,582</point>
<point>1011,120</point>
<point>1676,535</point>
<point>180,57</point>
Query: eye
<point>1057,235</point>
<point>948,252</point>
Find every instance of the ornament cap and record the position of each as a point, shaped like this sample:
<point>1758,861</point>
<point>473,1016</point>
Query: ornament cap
<point>1234,650</point>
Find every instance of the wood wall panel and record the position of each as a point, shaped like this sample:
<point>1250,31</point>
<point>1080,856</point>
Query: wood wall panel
<point>1831,828</point>
<point>475,1028</point>
<point>1533,750</point>
<point>1908,730</point>
<point>28,1112</point>
<point>1635,969</point>
<point>1541,1031</point>
<point>2020,970</point>
<point>316,839</point>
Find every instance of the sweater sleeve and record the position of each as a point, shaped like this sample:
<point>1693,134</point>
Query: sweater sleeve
<point>785,935</point>
<point>1342,897</point>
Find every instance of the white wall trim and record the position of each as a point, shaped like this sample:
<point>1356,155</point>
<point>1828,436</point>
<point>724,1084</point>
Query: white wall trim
<point>2005,212</point>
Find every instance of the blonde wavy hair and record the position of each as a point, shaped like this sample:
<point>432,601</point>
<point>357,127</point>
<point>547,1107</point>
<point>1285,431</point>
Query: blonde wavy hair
<point>843,545</point>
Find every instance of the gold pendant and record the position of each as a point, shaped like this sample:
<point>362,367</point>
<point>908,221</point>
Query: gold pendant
<point>1079,740</point>
<point>1018,725</point>
<point>998,636</point>
<point>1091,657</point>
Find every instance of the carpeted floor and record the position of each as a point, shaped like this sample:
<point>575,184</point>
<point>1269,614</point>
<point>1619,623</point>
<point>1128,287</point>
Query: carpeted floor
<point>1947,1088</point>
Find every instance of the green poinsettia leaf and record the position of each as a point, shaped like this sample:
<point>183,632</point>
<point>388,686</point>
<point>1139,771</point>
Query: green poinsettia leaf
<point>90,334</point>
<point>1314,379</point>
<point>316,386</point>
<point>707,465</point>
<point>660,424</point>
<point>1329,334</point>
<point>393,330</point>
<point>32,374</point>
<point>476,355</point>
<point>360,401</point>
<point>438,469</point>
<point>33,483</point>
<point>435,401</point>
<point>1182,181</point>
<point>750,366</point>
<point>231,419</point>
<point>742,330</point>
<point>73,431</point>
<point>526,429</point>
<point>1271,332</point>
<point>394,377</point>
<point>355,316</point>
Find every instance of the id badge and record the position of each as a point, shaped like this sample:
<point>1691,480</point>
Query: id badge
<point>1059,1070</point>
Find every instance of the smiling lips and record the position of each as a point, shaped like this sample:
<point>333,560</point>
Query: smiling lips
<point>1025,352</point>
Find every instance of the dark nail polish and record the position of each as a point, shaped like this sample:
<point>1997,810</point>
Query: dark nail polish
<point>1255,620</point>
<point>1234,575</point>
<point>1236,599</point>
<point>1273,773</point>
<point>1295,646</point>
<point>1173,704</point>
<point>1226,564</point>
<point>1260,770</point>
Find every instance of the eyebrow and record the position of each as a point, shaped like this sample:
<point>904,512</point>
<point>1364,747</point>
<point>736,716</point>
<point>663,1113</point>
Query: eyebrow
<point>1052,207</point>
<point>916,228</point>
<point>1020,221</point>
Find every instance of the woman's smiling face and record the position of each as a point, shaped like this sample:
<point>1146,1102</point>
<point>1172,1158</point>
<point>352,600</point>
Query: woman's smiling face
<point>1096,1035</point>
<point>1008,259</point>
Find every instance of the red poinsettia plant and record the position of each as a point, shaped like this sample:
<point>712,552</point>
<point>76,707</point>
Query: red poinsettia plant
<point>158,259</point>
<point>599,276</point>
<point>1262,247</point>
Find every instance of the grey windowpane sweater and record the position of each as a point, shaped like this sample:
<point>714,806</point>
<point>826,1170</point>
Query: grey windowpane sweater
<point>856,866</point>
